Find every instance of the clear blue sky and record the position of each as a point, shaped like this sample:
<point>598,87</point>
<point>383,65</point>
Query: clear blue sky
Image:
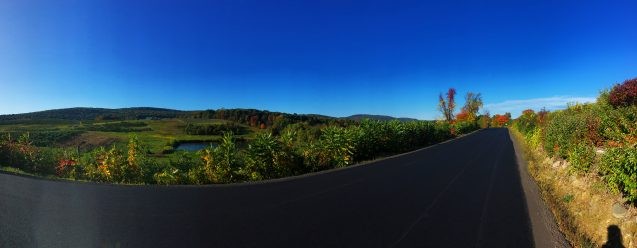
<point>328,57</point>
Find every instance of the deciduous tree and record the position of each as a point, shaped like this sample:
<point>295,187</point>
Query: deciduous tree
<point>473,103</point>
<point>447,106</point>
<point>500,120</point>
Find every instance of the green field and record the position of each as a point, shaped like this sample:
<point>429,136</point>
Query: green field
<point>157,135</point>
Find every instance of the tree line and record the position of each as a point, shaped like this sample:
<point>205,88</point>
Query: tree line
<point>469,114</point>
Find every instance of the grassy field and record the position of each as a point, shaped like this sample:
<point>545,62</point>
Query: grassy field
<point>157,135</point>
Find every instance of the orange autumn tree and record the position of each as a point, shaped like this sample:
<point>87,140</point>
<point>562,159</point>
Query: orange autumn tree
<point>472,105</point>
<point>500,120</point>
<point>462,116</point>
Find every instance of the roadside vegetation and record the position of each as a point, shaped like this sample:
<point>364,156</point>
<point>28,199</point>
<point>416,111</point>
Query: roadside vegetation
<point>249,145</point>
<point>297,150</point>
<point>585,160</point>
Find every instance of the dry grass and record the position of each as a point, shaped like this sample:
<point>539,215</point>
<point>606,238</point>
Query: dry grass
<point>581,203</point>
<point>162,133</point>
<point>91,139</point>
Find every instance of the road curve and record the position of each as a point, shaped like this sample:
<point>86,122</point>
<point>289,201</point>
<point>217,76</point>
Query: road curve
<point>467,192</point>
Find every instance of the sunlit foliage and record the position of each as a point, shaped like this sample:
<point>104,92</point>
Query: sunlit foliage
<point>447,105</point>
<point>598,139</point>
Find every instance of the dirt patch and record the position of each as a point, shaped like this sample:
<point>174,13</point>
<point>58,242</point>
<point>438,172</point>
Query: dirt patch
<point>90,140</point>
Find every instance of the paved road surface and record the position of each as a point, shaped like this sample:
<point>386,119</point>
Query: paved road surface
<point>463,193</point>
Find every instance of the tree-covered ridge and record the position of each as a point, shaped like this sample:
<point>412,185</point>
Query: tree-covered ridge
<point>251,117</point>
<point>79,114</point>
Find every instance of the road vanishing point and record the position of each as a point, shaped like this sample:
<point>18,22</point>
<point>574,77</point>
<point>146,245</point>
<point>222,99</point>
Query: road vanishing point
<point>472,191</point>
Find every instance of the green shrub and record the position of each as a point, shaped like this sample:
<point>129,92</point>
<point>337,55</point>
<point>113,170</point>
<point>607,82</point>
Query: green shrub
<point>47,160</point>
<point>535,138</point>
<point>419,134</point>
<point>290,160</point>
<point>527,122</point>
<point>131,170</point>
<point>395,136</point>
<point>197,175</point>
<point>483,121</point>
<point>568,198</point>
<point>464,127</point>
<point>103,165</point>
<point>619,170</point>
<point>442,131</point>
<point>368,140</point>
<point>177,171</point>
<point>305,133</point>
<point>149,169</point>
<point>168,176</point>
<point>221,163</point>
<point>337,146</point>
<point>617,125</point>
<point>566,128</point>
<point>184,161</point>
<point>581,156</point>
<point>262,158</point>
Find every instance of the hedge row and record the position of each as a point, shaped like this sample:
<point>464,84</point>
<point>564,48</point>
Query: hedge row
<point>578,132</point>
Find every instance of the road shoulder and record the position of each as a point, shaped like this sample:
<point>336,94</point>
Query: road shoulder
<point>545,230</point>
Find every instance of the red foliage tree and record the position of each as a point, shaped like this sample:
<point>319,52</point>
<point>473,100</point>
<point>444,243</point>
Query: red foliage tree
<point>528,112</point>
<point>500,120</point>
<point>447,106</point>
<point>624,94</point>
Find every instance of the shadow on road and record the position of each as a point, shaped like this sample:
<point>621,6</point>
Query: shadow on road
<point>614,239</point>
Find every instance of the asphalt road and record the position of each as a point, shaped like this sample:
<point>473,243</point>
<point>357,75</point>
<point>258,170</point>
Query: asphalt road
<point>467,192</point>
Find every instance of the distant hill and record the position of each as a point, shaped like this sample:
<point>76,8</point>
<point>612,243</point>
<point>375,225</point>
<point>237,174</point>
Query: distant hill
<point>251,117</point>
<point>96,113</point>
<point>376,117</point>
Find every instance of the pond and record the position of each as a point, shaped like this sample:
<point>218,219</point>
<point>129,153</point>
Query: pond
<point>194,146</point>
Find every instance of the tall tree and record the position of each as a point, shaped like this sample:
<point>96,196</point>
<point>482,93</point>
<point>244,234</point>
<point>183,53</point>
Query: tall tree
<point>473,103</point>
<point>447,106</point>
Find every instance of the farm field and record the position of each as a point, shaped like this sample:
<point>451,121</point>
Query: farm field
<point>158,135</point>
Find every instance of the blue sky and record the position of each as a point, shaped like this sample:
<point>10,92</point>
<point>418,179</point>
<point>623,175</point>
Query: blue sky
<point>327,57</point>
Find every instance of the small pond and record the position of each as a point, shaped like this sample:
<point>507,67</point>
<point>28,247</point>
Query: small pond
<point>194,146</point>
